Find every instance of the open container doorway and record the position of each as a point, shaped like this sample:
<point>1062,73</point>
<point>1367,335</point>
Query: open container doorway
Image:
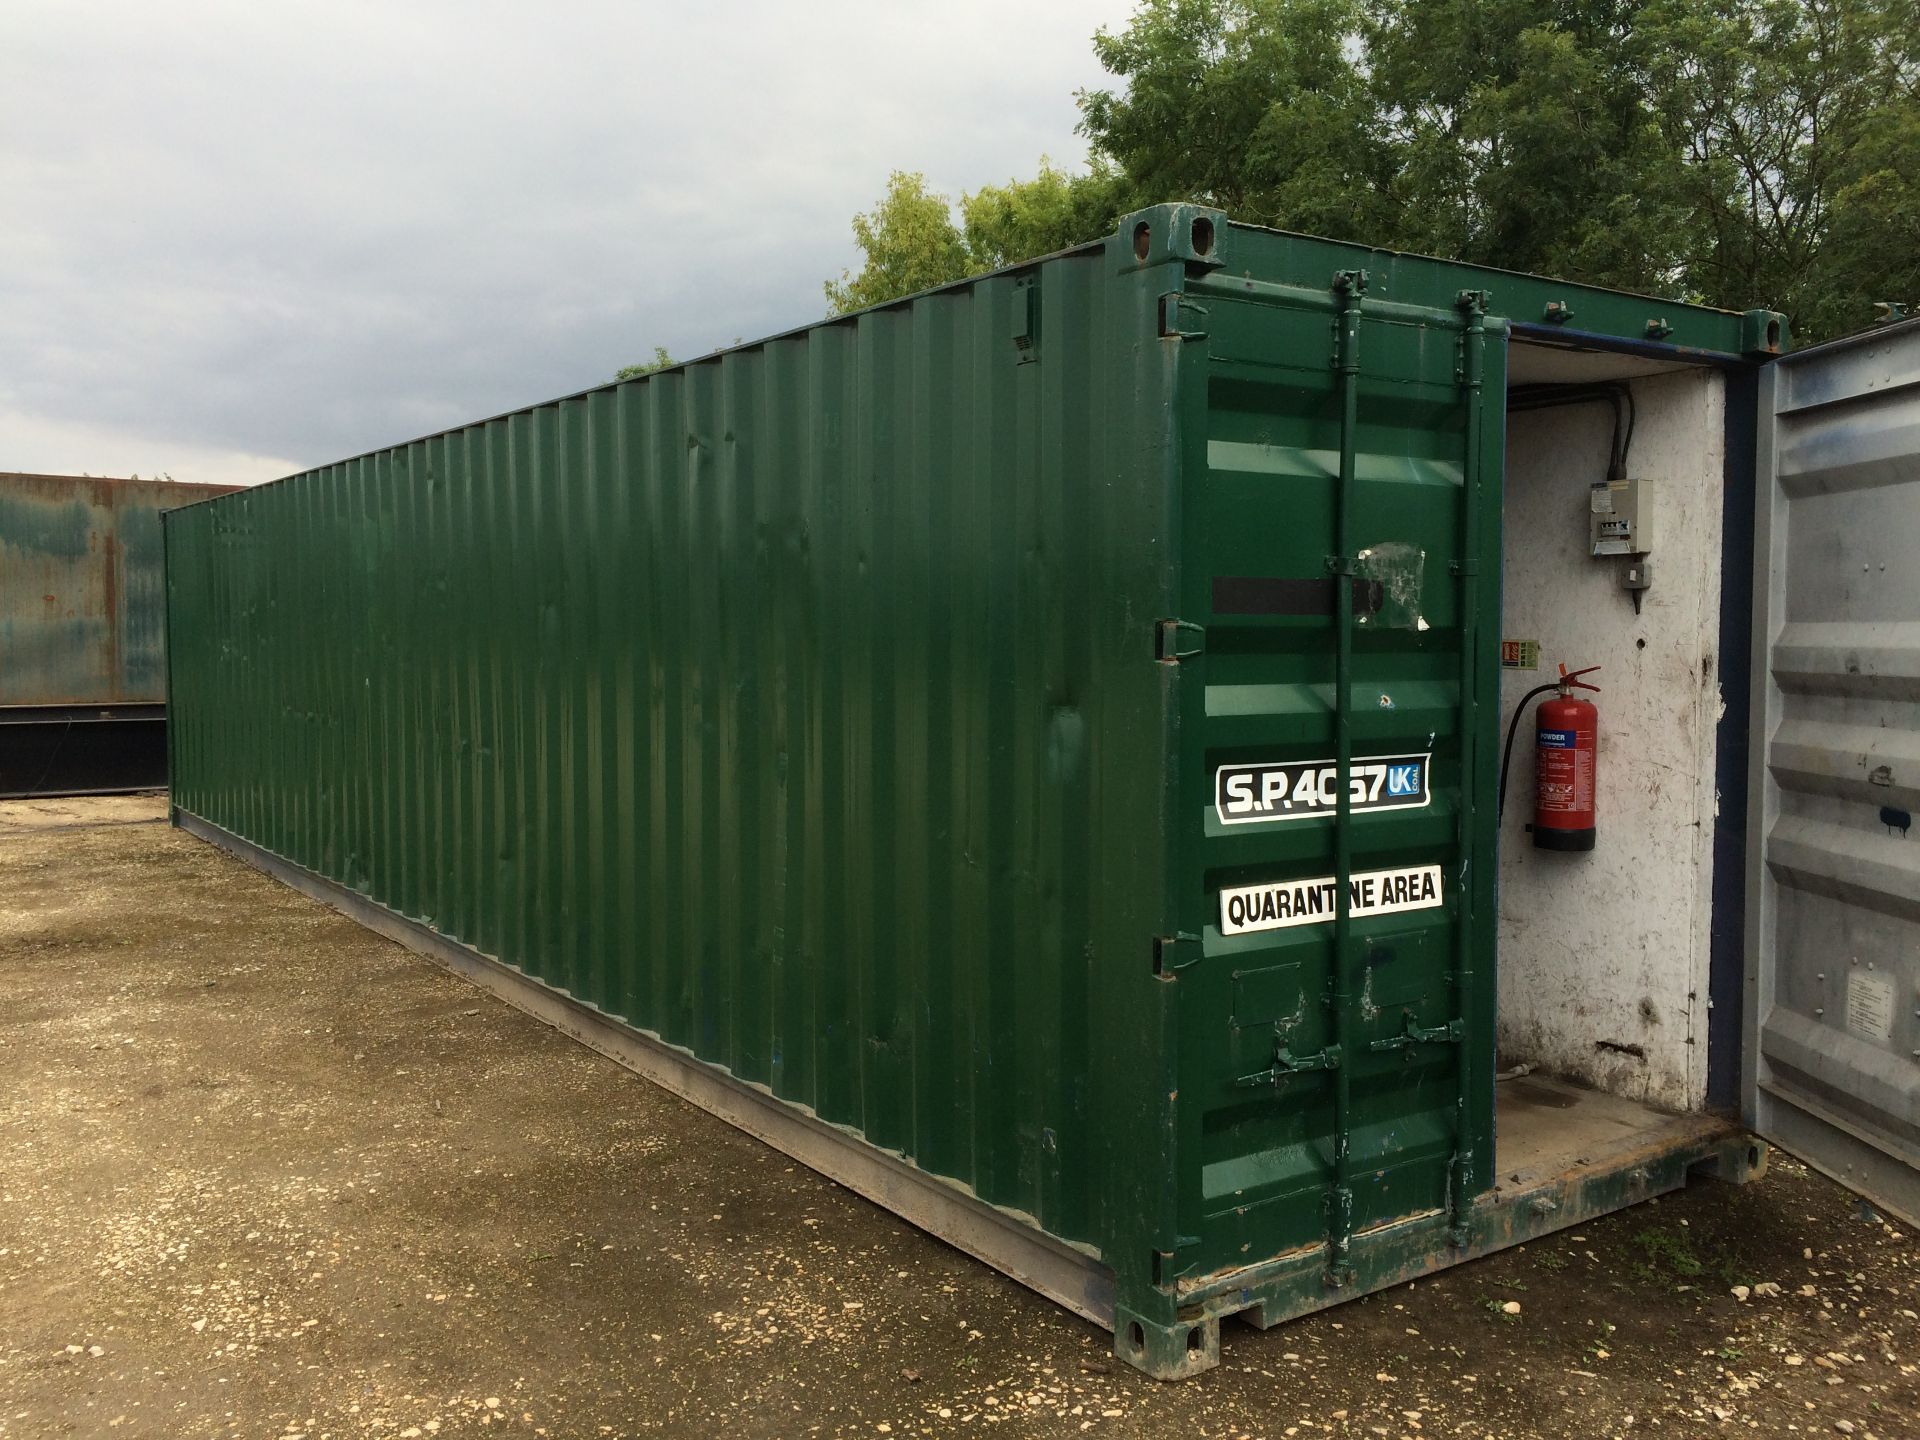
<point>1743,940</point>
<point>1605,955</point>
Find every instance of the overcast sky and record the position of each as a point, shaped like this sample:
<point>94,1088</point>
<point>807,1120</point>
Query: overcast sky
<point>240,239</point>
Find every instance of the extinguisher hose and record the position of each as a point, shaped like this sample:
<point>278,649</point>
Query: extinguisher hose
<point>1513,726</point>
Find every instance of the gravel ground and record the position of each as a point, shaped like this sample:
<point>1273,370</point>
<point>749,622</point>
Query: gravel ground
<point>264,1174</point>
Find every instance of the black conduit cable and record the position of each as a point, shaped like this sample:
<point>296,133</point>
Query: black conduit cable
<point>1626,394</point>
<point>1619,393</point>
<point>1513,725</point>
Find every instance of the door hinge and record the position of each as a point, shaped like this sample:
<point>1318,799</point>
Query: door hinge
<point>1177,639</point>
<point>1172,953</point>
<point>1175,311</point>
<point>1339,1272</point>
<point>1166,1263</point>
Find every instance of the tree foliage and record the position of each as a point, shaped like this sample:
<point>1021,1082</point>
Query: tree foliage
<point>912,240</point>
<point>1737,152</point>
<point>661,361</point>
<point>1872,248</point>
<point>1780,110</point>
<point>1521,136</point>
<point>1005,224</point>
<point>1252,105</point>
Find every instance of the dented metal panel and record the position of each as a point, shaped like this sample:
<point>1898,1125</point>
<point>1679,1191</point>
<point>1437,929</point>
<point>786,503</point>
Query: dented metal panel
<point>1833,1057</point>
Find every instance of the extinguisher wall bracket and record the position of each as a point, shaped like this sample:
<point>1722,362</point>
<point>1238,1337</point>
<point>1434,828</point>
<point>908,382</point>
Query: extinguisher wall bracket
<point>1570,680</point>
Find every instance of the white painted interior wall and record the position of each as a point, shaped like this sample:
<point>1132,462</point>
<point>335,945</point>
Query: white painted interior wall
<point>1607,952</point>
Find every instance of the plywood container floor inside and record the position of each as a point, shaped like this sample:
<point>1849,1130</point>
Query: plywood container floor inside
<point>1032,752</point>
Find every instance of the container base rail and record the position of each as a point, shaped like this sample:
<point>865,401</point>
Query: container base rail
<point>81,750</point>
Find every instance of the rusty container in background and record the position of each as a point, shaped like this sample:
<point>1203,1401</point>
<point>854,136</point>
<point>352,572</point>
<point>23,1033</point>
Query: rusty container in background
<point>82,633</point>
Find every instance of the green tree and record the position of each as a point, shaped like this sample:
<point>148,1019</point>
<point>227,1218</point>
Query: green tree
<point>661,360</point>
<point>1736,152</point>
<point>1524,137</point>
<point>1006,224</point>
<point>1512,132</point>
<point>1256,106</point>
<point>1778,109</point>
<point>912,242</point>
<point>1873,240</point>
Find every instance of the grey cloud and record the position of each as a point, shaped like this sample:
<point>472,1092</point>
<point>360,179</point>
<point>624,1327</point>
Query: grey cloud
<point>303,230</point>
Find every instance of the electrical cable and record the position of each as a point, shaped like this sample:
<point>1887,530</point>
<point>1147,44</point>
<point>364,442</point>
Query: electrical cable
<point>1633,416</point>
<point>1619,393</point>
<point>1626,417</point>
<point>1513,725</point>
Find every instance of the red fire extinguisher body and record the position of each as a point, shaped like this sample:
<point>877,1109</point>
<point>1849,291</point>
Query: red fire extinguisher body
<point>1566,733</point>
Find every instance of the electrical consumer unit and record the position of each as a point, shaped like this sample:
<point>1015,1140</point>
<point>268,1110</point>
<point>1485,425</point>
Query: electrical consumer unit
<point>1622,517</point>
<point>1033,751</point>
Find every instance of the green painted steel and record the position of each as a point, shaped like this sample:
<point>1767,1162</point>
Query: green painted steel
<point>1336,433</point>
<point>847,709</point>
<point>1545,309</point>
<point>797,706</point>
<point>81,610</point>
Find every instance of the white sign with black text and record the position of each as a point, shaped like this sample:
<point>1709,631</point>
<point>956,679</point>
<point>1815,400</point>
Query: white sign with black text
<point>1248,794</point>
<point>1284,903</point>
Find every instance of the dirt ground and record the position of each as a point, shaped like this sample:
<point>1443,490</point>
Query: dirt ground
<point>265,1174</point>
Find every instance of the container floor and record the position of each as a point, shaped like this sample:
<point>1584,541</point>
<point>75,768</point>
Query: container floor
<point>1545,1128</point>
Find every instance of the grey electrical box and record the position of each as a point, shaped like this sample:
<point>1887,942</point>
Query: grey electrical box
<point>1620,517</point>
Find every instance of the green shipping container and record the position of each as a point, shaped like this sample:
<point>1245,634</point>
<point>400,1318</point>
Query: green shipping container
<point>1032,750</point>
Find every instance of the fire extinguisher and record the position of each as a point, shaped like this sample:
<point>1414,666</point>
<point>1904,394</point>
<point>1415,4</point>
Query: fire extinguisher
<point>1565,737</point>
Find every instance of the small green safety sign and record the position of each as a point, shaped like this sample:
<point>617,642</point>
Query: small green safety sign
<point>1519,654</point>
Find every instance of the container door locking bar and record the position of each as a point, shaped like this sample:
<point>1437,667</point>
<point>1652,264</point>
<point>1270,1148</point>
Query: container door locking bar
<point>1471,374</point>
<point>1286,1064</point>
<point>1450,1033</point>
<point>1348,288</point>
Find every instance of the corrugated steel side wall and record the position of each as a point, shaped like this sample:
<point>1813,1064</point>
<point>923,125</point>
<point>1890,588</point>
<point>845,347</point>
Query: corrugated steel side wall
<point>1834,998</point>
<point>796,705</point>
<point>81,614</point>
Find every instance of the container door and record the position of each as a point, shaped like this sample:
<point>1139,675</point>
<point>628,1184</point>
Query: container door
<point>1832,1062</point>
<point>1340,540</point>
